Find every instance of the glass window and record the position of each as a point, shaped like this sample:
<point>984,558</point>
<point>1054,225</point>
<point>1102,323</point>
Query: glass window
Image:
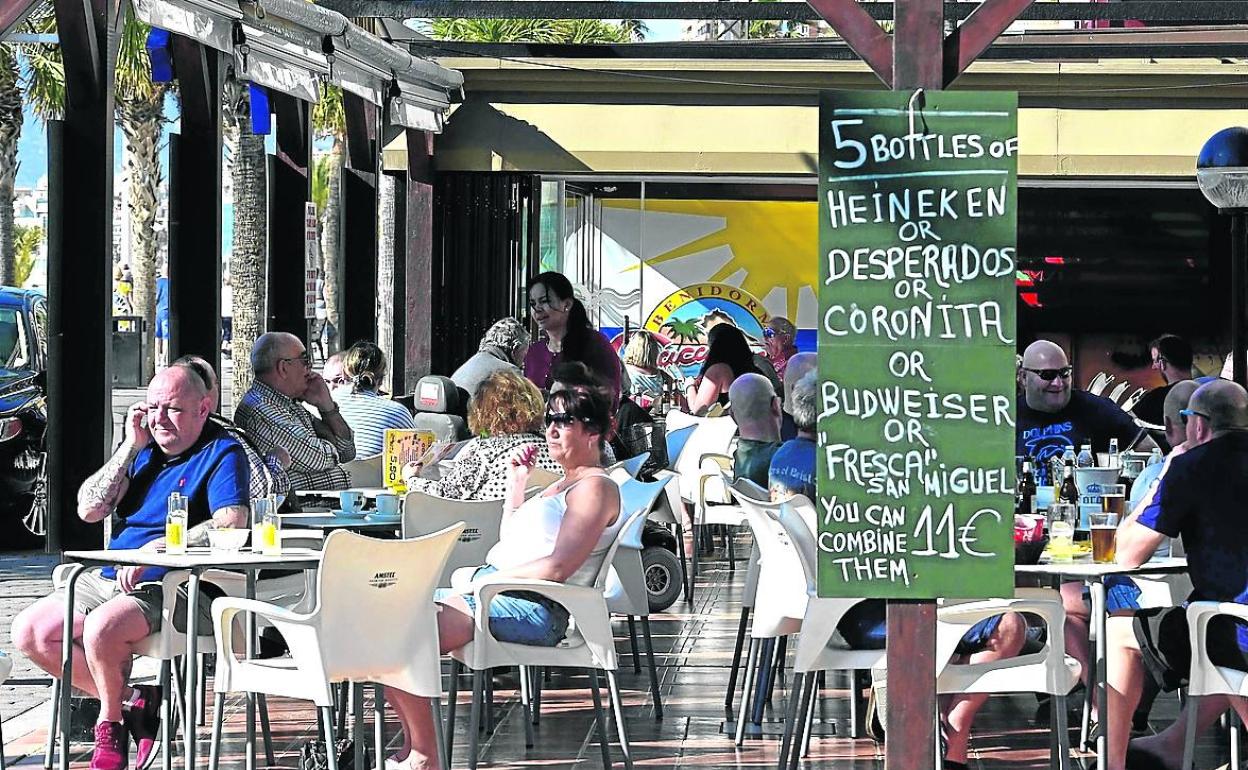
<point>13,344</point>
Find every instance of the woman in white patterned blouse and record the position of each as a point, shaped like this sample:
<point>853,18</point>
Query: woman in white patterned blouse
<point>505,413</point>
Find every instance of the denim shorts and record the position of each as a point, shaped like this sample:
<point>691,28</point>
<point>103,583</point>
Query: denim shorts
<point>519,617</point>
<point>1121,594</point>
<point>863,628</point>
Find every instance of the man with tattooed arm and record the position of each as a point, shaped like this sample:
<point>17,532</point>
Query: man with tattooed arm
<point>169,446</point>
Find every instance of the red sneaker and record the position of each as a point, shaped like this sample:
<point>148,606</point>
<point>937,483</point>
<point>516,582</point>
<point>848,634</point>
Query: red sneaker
<point>143,722</point>
<point>112,747</point>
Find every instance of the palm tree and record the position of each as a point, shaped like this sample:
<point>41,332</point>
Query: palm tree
<point>330,121</point>
<point>10,132</point>
<point>530,31</point>
<point>683,330</point>
<point>141,116</point>
<point>636,29</point>
<point>26,242</point>
<point>248,168</point>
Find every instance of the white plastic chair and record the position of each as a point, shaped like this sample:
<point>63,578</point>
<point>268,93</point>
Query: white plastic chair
<point>1205,678</point>
<point>699,483</point>
<point>817,648</point>
<point>780,579</point>
<point>748,592</point>
<point>1049,670</point>
<point>363,583</point>
<point>626,583</point>
<point>364,471</point>
<point>589,644</point>
<point>423,514</point>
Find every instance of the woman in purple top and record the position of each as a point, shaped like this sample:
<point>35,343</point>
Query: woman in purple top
<point>567,335</point>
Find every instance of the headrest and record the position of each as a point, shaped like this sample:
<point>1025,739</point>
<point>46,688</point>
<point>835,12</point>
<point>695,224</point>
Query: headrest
<point>437,394</point>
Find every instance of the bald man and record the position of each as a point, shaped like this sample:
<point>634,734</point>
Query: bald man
<point>756,410</point>
<point>1201,497</point>
<point>169,446</point>
<point>1053,416</point>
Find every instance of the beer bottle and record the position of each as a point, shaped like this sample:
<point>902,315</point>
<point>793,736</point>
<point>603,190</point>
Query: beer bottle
<point>1070,491</point>
<point>1027,488</point>
<point>1115,460</point>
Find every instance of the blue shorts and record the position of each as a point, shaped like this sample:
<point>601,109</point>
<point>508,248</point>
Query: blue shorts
<point>864,626</point>
<point>1121,594</point>
<point>162,326</point>
<point>519,617</point>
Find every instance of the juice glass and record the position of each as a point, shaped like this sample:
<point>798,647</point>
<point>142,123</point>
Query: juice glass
<point>175,524</point>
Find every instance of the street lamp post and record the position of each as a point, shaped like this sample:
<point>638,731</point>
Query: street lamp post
<point>1222,173</point>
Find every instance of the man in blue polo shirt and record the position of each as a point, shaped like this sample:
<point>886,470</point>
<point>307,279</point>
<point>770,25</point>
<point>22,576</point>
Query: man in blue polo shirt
<point>792,469</point>
<point>169,447</point>
<point>1200,497</point>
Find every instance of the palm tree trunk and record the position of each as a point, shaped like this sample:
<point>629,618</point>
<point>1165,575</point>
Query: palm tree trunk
<point>141,120</point>
<point>247,259</point>
<point>385,277</point>
<point>331,239</point>
<point>10,132</point>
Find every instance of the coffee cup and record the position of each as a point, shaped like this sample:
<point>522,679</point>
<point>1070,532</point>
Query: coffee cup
<point>387,504</point>
<point>351,500</point>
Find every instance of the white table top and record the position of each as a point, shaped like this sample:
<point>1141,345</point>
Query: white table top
<point>1087,568</point>
<point>196,558</point>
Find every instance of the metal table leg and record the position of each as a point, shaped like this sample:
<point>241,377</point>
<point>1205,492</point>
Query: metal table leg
<point>190,688</point>
<point>1097,590</point>
<point>67,663</point>
<point>250,748</point>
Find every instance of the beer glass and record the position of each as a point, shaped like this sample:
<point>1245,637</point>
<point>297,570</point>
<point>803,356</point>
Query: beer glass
<point>1114,499</point>
<point>1104,529</point>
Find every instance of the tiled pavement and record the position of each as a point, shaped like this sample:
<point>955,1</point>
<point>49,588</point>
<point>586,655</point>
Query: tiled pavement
<point>694,650</point>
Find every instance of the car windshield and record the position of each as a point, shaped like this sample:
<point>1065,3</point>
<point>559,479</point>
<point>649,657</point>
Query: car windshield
<point>14,348</point>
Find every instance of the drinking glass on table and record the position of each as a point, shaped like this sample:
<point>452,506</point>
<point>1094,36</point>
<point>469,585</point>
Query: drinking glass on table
<point>265,526</point>
<point>1104,530</point>
<point>1062,518</point>
<point>175,524</point>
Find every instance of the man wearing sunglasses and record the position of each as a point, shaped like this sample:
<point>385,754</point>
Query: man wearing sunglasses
<point>273,415</point>
<point>1199,496</point>
<point>1053,415</point>
<point>779,337</point>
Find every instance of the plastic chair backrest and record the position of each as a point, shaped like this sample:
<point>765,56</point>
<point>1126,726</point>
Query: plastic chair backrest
<point>365,471</point>
<point>802,537</point>
<point>481,520</point>
<point>370,596</point>
<point>631,466</point>
<point>636,500</point>
<point>712,435</point>
<point>676,440</point>
<point>781,575</point>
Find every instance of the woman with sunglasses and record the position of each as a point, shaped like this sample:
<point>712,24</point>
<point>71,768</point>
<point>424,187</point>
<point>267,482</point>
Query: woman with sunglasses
<point>728,356</point>
<point>567,335</point>
<point>562,534</point>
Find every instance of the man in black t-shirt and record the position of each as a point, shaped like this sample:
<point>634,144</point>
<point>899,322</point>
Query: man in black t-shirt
<point>1172,358</point>
<point>1052,415</point>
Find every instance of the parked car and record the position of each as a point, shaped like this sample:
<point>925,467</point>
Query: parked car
<point>23,416</point>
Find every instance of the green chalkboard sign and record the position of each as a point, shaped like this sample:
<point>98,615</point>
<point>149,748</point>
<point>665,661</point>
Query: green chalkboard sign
<point>917,227</point>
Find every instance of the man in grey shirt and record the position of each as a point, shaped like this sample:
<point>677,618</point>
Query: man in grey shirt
<point>503,347</point>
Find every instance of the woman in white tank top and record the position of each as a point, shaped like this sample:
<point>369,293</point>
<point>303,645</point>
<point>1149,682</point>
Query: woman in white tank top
<point>562,535</point>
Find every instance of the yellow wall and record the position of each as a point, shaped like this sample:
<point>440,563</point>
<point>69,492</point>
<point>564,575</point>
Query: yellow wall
<point>644,138</point>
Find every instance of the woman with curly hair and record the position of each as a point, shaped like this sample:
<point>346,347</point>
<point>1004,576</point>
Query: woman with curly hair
<point>504,415</point>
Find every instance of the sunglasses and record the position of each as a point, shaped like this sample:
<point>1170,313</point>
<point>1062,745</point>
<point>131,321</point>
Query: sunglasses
<point>1048,375</point>
<point>562,419</point>
<point>1185,413</point>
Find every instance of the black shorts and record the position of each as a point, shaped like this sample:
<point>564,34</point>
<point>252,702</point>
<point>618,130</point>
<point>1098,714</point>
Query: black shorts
<point>1165,645</point>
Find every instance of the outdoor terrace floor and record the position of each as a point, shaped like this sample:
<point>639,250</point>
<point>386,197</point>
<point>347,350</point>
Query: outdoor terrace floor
<point>694,651</point>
